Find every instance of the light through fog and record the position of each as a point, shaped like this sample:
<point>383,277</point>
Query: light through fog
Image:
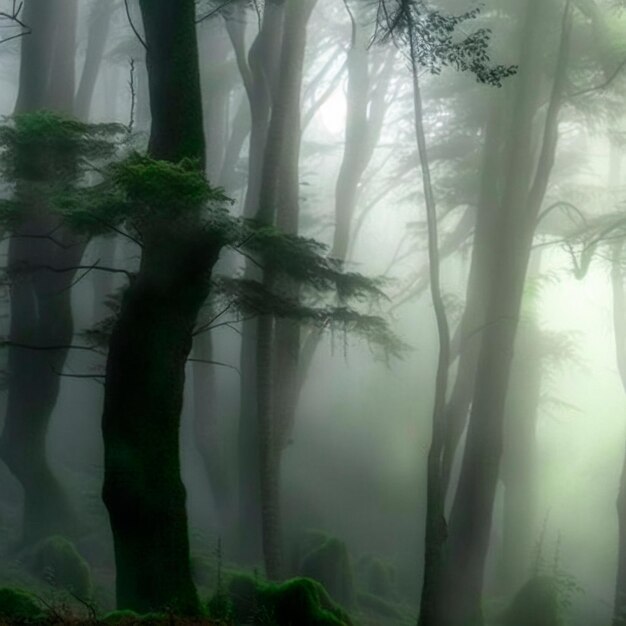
<point>313,312</point>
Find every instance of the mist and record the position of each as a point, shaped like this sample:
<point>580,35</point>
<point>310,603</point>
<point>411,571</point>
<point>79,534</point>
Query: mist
<point>313,312</point>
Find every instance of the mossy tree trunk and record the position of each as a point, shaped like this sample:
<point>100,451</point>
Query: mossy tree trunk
<point>151,342</point>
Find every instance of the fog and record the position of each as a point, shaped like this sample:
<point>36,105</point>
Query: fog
<point>313,312</point>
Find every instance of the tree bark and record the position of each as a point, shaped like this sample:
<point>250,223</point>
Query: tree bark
<point>151,341</point>
<point>258,74</point>
<point>99,26</point>
<point>40,300</point>
<point>279,203</point>
<point>471,515</point>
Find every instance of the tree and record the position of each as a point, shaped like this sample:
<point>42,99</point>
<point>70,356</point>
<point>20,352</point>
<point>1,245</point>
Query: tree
<point>152,336</point>
<point>40,300</point>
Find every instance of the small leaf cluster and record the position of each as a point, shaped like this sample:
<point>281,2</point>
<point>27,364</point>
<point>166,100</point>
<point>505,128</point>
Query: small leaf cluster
<point>305,262</point>
<point>251,298</point>
<point>431,40</point>
<point>139,192</point>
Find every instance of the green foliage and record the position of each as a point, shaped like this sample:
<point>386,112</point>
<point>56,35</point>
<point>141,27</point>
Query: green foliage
<point>57,560</point>
<point>305,262</point>
<point>18,607</point>
<point>120,617</point>
<point>48,157</point>
<point>50,147</point>
<point>253,298</point>
<point>141,193</point>
<point>162,187</point>
<point>431,39</point>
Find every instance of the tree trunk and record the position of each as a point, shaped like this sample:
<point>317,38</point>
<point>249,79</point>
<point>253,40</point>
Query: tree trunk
<point>151,341</point>
<point>619,322</point>
<point>258,75</point>
<point>279,202</point>
<point>471,515</point>
<point>40,306</point>
<point>209,436</point>
<point>518,460</point>
<point>99,25</point>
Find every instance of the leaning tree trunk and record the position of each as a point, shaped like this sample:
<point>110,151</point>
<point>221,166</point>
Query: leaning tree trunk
<point>471,515</point>
<point>151,341</point>
<point>40,299</point>
<point>473,320</point>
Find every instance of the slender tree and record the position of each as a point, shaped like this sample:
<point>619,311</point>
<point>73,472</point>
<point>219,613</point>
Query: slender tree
<point>41,312</point>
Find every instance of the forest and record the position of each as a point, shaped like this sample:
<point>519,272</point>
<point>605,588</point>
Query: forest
<point>313,312</point>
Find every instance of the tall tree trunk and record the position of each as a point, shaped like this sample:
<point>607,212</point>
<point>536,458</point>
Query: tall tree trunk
<point>209,440</point>
<point>41,313</point>
<point>151,340</point>
<point>259,75</point>
<point>99,26</point>
<point>435,535</point>
<point>518,460</point>
<point>619,324</point>
<point>279,202</point>
<point>471,515</point>
<point>478,284</point>
<point>366,108</point>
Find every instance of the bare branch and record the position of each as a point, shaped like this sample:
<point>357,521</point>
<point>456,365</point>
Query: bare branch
<point>132,25</point>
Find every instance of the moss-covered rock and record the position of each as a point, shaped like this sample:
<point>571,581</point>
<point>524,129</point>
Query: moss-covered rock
<point>57,561</point>
<point>18,607</point>
<point>535,603</point>
<point>298,601</point>
<point>304,543</point>
<point>330,565</point>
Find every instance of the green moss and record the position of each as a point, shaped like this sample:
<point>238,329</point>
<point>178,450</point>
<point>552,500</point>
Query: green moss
<point>304,602</point>
<point>120,617</point>
<point>330,565</point>
<point>298,601</point>
<point>18,607</point>
<point>57,561</point>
